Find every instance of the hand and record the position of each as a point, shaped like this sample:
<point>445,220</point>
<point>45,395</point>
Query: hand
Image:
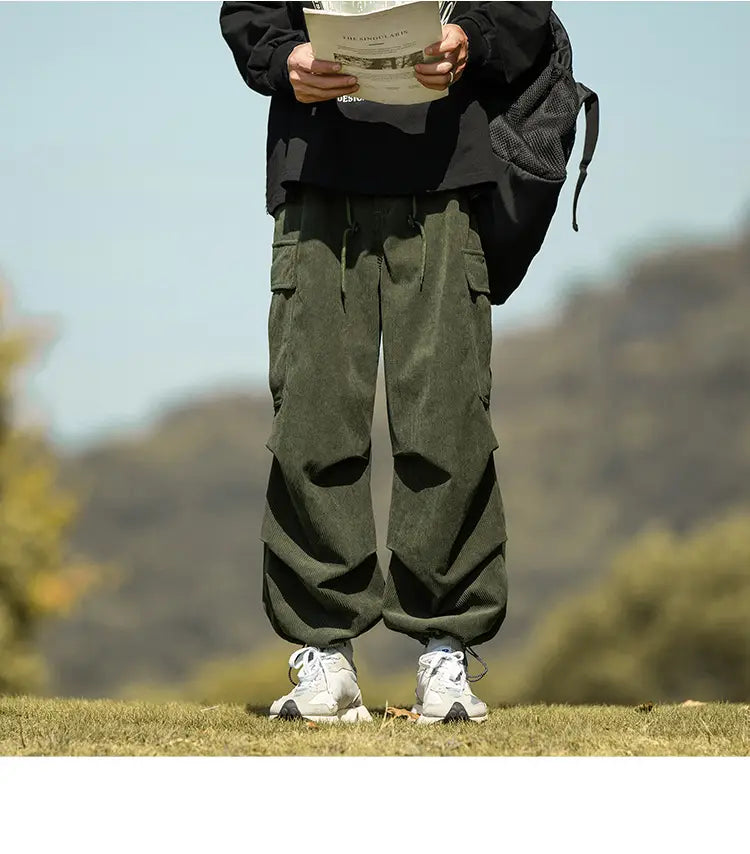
<point>455,47</point>
<point>315,80</point>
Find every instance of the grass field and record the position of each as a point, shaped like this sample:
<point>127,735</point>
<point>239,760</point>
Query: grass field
<point>41,727</point>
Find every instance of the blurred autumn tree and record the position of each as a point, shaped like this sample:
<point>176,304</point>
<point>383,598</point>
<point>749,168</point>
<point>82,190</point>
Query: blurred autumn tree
<point>38,578</point>
<point>671,621</point>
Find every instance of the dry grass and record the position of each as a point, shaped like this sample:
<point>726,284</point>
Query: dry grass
<point>44,727</point>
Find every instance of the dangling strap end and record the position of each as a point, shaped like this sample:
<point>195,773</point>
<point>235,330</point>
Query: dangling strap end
<point>479,658</point>
<point>576,197</point>
<point>590,101</point>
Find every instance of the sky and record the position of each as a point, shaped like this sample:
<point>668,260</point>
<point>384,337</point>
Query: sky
<point>132,219</point>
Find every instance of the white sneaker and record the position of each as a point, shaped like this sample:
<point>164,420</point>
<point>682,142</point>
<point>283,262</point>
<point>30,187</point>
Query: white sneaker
<point>327,690</point>
<point>443,690</point>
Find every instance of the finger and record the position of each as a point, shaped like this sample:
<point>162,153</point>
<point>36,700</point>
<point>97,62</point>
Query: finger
<point>322,66</point>
<point>435,82</point>
<point>451,43</point>
<point>323,81</point>
<point>433,49</point>
<point>439,69</point>
<point>431,68</point>
<point>324,94</point>
<point>451,58</point>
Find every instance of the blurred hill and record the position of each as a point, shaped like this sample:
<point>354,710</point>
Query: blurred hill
<point>669,621</point>
<point>630,409</point>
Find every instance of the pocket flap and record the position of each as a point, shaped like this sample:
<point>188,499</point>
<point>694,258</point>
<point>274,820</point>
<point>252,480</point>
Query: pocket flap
<point>284,265</point>
<point>477,275</point>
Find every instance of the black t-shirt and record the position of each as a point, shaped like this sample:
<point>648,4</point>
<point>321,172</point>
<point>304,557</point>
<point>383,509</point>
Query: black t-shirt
<point>363,147</point>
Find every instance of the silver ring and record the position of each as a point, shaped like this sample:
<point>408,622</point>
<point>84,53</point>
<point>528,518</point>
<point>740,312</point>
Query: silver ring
<point>450,83</point>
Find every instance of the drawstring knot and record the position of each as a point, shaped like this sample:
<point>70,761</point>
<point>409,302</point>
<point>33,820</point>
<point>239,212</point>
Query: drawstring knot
<point>352,227</point>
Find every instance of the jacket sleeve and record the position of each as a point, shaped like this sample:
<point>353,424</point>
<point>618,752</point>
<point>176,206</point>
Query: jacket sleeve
<point>504,38</point>
<point>261,36</point>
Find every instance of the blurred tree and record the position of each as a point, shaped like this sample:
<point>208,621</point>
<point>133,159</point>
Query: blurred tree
<point>38,578</point>
<point>671,621</point>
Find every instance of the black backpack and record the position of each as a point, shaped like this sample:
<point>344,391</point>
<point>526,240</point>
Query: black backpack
<point>532,131</point>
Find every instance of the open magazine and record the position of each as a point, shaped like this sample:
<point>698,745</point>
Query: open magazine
<point>379,43</point>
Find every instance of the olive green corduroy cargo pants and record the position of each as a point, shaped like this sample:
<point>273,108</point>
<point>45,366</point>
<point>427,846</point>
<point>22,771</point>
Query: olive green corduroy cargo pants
<point>347,269</point>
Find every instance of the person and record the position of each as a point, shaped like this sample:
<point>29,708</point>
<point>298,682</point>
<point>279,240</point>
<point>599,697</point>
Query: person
<point>375,238</point>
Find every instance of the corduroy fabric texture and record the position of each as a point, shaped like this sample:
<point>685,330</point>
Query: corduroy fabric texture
<point>345,273</point>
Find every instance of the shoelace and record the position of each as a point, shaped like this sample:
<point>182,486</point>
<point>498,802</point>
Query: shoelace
<point>479,658</point>
<point>453,666</point>
<point>308,661</point>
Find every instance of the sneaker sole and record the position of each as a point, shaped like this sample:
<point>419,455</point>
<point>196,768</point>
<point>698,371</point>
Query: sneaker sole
<point>353,715</point>
<point>456,714</point>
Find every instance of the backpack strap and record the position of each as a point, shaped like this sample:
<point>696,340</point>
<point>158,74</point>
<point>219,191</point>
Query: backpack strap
<point>590,102</point>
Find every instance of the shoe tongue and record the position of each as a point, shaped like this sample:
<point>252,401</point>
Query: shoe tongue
<point>444,644</point>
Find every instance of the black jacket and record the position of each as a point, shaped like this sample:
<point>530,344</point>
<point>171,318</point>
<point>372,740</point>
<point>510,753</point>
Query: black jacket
<point>375,148</point>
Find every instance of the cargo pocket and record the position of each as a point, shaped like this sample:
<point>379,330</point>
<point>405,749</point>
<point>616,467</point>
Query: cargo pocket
<point>480,320</point>
<point>281,315</point>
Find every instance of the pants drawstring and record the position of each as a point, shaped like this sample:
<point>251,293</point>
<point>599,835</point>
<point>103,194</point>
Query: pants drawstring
<point>352,227</point>
<point>415,223</point>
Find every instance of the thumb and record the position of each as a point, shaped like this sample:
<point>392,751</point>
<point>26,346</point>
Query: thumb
<point>452,39</point>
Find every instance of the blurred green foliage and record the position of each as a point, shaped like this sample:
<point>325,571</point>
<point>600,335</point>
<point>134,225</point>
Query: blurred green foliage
<point>38,577</point>
<point>670,622</point>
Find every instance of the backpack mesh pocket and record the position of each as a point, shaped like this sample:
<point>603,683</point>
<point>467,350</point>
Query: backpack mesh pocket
<point>536,132</point>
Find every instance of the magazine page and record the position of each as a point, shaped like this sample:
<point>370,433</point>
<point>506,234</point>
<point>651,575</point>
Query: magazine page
<point>380,48</point>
